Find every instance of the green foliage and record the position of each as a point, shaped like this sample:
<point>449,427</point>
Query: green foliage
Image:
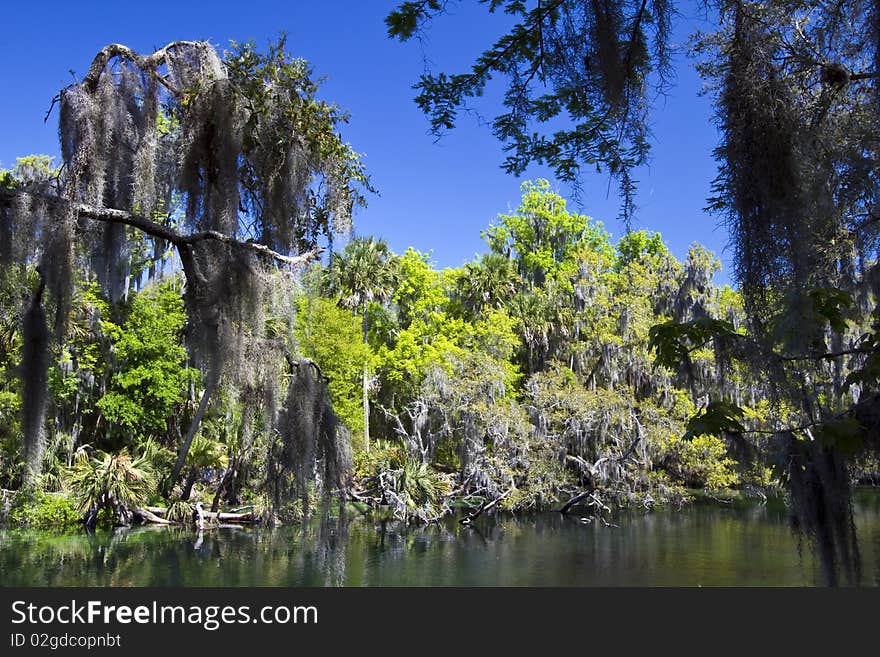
<point>28,170</point>
<point>701,462</point>
<point>543,236</point>
<point>718,418</point>
<point>577,82</point>
<point>422,489</point>
<point>205,453</point>
<point>673,342</point>
<point>831,304</point>
<point>844,435</point>
<point>151,377</point>
<point>524,375</point>
<point>406,19</point>
<point>489,283</point>
<point>332,337</point>
<point>181,511</point>
<point>364,272</point>
<point>426,333</point>
<point>637,243</point>
<point>411,487</point>
<point>288,126</point>
<point>11,459</point>
<point>111,481</point>
<point>41,510</point>
<point>418,291</point>
<point>156,457</point>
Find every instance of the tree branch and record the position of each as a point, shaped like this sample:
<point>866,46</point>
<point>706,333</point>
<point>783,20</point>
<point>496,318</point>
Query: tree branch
<point>147,63</point>
<point>154,229</point>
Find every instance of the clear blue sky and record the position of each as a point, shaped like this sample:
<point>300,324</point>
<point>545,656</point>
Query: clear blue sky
<point>434,196</point>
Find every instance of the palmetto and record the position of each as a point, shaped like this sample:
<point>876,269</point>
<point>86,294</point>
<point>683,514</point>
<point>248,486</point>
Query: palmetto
<point>363,273</point>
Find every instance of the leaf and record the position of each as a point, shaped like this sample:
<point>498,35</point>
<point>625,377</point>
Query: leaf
<point>830,303</point>
<point>673,341</point>
<point>718,418</point>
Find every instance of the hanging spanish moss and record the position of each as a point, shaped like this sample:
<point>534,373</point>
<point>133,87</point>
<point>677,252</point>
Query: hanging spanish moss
<point>34,390</point>
<point>759,171</point>
<point>224,296</point>
<point>210,146</point>
<point>797,175</point>
<point>819,482</point>
<point>230,160</point>
<point>7,232</point>
<point>312,448</point>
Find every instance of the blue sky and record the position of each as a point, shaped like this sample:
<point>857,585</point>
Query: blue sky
<point>434,196</point>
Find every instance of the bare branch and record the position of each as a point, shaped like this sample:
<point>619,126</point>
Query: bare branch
<point>147,63</point>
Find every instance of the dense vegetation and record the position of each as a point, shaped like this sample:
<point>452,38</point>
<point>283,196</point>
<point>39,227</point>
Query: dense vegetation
<point>169,332</point>
<point>796,89</point>
<point>525,377</point>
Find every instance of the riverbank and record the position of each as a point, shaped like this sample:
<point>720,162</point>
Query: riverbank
<point>741,543</point>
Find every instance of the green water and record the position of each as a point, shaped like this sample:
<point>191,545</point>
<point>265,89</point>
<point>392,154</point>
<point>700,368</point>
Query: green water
<point>703,545</point>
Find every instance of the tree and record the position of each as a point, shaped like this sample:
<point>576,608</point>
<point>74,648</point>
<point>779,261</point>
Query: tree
<point>797,88</point>
<point>544,239</point>
<point>488,283</point>
<point>333,338</point>
<point>364,273</point>
<point>151,377</point>
<point>231,161</point>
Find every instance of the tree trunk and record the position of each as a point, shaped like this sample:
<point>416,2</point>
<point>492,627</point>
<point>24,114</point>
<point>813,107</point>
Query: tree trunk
<point>366,390</point>
<point>366,410</point>
<point>191,433</point>
<point>574,500</point>
<point>485,506</point>
<point>34,384</point>
<point>145,515</point>
<point>227,477</point>
<point>190,482</point>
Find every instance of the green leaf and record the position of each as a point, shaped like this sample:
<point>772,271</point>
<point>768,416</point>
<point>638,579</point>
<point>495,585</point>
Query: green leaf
<point>718,418</point>
<point>672,341</point>
<point>830,303</point>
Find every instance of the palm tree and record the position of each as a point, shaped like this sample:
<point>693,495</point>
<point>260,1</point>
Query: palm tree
<point>489,282</point>
<point>365,272</point>
<point>116,482</point>
<point>204,453</point>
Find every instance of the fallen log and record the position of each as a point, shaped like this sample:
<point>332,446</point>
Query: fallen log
<point>485,506</point>
<point>145,515</point>
<point>574,500</point>
<point>232,517</point>
<point>596,502</point>
<point>250,516</point>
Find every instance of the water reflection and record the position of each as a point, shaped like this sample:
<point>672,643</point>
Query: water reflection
<point>701,546</point>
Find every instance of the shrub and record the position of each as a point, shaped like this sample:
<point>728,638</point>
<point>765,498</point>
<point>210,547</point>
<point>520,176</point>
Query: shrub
<point>700,463</point>
<point>42,510</point>
<point>110,482</point>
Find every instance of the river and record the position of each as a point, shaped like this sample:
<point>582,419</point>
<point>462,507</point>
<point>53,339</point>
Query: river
<point>736,544</point>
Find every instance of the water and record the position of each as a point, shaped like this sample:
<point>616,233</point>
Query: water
<point>704,545</point>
